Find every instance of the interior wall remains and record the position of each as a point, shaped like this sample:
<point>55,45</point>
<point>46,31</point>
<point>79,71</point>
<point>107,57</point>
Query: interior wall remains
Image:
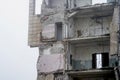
<point>84,27</point>
<point>82,55</point>
<point>55,48</point>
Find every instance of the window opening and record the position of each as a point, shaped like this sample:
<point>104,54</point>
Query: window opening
<point>59,31</point>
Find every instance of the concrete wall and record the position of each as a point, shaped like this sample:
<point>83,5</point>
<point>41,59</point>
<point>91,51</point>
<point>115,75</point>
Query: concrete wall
<point>113,30</point>
<point>57,76</point>
<point>50,63</point>
<point>49,17</point>
<point>38,23</point>
<point>48,49</point>
<point>85,52</point>
<point>48,32</point>
<point>83,27</point>
<point>34,26</point>
<point>51,58</point>
<point>49,6</point>
<point>52,17</point>
<point>45,77</point>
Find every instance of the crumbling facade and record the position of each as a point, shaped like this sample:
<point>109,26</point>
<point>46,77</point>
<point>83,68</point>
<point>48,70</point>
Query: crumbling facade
<point>76,39</point>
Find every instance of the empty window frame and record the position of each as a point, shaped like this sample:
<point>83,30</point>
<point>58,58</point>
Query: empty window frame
<point>59,31</point>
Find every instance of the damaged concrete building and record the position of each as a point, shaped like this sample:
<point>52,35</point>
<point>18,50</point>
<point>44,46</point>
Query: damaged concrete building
<point>77,40</point>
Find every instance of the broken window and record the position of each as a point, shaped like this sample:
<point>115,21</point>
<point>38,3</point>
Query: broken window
<point>100,60</point>
<point>59,31</point>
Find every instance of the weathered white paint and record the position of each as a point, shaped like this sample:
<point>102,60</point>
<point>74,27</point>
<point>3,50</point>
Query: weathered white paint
<point>46,51</point>
<point>48,32</point>
<point>50,63</point>
<point>114,32</point>
<point>57,48</point>
<point>89,27</point>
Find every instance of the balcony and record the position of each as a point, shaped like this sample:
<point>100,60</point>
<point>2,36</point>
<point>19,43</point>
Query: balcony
<point>86,40</point>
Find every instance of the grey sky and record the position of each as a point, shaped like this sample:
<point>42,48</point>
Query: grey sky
<point>17,60</point>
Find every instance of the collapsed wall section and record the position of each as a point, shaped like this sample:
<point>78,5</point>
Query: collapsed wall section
<point>51,50</point>
<point>50,64</point>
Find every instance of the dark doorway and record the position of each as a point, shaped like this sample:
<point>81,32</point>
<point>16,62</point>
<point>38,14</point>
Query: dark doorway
<point>100,62</point>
